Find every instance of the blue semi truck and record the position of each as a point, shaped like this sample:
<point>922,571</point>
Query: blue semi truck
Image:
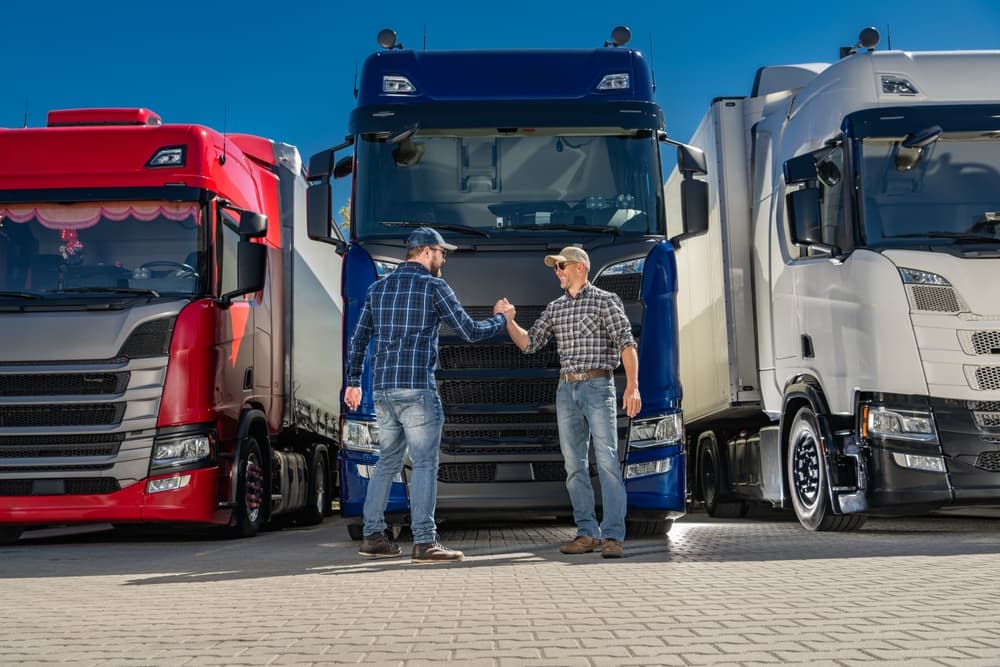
<point>512,155</point>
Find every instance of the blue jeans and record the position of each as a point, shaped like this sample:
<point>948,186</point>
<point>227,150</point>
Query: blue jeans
<point>586,409</point>
<point>408,419</point>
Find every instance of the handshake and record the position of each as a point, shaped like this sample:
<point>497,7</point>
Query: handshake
<point>506,308</point>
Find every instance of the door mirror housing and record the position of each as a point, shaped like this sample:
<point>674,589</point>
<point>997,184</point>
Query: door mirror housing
<point>252,225</point>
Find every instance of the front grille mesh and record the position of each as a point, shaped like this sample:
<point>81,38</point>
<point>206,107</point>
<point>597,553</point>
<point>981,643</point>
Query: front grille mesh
<point>470,357</point>
<point>470,473</point>
<point>989,461</point>
<point>988,378</point>
<point>934,298</point>
<point>85,414</point>
<point>627,286</point>
<point>63,384</point>
<point>72,487</point>
<point>986,342</point>
<point>527,391</point>
<point>40,446</point>
<point>149,339</point>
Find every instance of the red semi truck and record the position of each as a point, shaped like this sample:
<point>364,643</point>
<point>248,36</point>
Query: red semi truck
<point>170,333</point>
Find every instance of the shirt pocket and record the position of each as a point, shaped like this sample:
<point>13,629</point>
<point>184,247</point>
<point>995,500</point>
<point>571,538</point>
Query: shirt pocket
<point>590,325</point>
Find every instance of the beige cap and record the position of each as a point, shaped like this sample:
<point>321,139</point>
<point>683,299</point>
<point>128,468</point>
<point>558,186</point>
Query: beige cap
<point>569,254</point>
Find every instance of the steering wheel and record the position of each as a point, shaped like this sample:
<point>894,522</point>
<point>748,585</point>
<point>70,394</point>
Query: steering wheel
<point>182,270</point>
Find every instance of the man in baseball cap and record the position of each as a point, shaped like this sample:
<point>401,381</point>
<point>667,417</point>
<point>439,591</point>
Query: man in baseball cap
<point>567,255</point>
<point>427,236</point>
<point>593,335</point>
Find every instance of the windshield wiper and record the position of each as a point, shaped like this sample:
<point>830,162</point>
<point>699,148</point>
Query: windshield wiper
<point>122,290</point>
<point>436,225</point>
<point>958,237</point>
<point>20,295</point>
<point>571,228</point>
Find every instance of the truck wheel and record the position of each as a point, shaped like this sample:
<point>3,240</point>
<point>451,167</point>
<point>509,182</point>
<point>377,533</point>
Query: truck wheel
<point>9,534</point>
<point>714,484</point>
<point>318,500</point>
<point>249,512</point>
<point>807,478</point>
<point>635,528</point>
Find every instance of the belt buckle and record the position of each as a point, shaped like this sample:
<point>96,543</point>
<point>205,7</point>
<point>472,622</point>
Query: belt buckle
<point>576,377</point>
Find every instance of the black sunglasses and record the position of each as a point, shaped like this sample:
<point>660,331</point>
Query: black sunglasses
<point>562,265</point>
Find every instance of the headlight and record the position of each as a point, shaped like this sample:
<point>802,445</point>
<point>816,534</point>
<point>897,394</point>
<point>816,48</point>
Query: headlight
<point>361,436</point>
<point>879,421</point>
<point>656,432</point>
<point>624,268</point>
<point>919,462</point>
<point>918,277</point>
<point>382,269</point>
<point>179,450</point>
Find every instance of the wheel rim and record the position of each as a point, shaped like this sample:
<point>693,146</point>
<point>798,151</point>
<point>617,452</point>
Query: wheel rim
<point>254,487</point>
<point>805,468</point>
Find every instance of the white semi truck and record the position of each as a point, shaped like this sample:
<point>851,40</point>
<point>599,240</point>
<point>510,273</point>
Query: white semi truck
<point>840,322</point>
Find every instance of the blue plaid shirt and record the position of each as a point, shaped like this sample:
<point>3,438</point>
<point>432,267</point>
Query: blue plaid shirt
<point>402,314</point>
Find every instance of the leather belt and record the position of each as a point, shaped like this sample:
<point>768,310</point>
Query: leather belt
<point>585,375</point>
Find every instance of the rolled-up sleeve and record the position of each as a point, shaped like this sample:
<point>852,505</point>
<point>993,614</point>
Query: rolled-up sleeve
<point>617,324</point>
<point>359,345</point>
<point>540,332</point>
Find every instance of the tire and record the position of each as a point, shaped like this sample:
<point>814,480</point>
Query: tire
<point>807,480</point>
<point>318,496</point>
<point>635,528</point>
<point>9,534</point>
<point>248,516</point>
<point>714,484</point>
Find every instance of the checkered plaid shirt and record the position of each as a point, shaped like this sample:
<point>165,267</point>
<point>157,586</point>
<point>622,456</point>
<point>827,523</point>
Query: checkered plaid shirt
<point>402,315</point>
<point>591,330</point>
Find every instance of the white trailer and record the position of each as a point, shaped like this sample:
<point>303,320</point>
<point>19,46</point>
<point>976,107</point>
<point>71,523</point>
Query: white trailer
<point>840,322</point>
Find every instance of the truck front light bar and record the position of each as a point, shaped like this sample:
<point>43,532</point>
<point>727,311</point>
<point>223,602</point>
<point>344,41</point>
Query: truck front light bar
<point>183,449</point>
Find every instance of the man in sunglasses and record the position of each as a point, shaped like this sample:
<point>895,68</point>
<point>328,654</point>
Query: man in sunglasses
<point>592,334</point>
<point>402,315</point>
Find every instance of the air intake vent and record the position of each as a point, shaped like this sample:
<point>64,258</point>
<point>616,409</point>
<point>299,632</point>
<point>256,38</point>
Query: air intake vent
<point>496,356</point>
<point>989,461</point>
<point>626,286</point>
<point>149,339</point>
<point>63,384</point>
<point>983,378</point>
<point>933,298</point>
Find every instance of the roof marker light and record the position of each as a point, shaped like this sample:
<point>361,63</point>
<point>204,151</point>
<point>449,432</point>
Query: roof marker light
<point>397,85</point>
<point>614,82</point>
<point>895,85</point>
<point>168,156</point>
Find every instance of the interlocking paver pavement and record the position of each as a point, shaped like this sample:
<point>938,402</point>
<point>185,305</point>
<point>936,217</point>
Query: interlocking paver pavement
<point>752,592</point>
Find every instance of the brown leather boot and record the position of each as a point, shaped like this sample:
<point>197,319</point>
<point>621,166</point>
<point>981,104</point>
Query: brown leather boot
<point>581,544</point>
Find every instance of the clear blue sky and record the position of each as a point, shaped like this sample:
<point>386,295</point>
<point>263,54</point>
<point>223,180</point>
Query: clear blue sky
<point>285,70</point>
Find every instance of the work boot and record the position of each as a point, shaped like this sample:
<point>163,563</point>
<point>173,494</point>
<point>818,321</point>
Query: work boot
<point>435,552</point>
<point>378,545</point>
<point>580,544</point>
<point>612,548</point>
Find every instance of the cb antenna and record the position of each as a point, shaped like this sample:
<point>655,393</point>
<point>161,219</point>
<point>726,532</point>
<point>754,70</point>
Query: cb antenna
<point>652,62</point>
<point>225,123</point>
<point>25,112</point>
<point>888,36</point>
<point>425,37</point>
<point>355,79</point>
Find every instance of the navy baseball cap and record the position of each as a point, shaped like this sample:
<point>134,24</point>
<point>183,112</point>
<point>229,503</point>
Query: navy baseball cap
<point>426,236</point>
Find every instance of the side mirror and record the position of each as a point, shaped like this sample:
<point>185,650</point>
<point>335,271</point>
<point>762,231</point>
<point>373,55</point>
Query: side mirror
<point>344,167</point>
<point>691,160</point>
<point>694,206</point>
<point>800,169</point>
<point>319,211</point>
<point>252,258</point>
<point>804,217</point>
<point>252,225</point>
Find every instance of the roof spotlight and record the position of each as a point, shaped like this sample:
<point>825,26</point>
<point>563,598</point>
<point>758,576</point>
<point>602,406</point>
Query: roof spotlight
<point>387,39</point>
<point>619,36</point>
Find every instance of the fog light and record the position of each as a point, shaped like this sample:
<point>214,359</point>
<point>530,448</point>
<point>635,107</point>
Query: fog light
<point>168,483</point>
<point>918,462</point>
<point>645,468</point>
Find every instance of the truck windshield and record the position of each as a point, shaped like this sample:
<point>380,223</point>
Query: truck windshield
<point>500,184</point>
<point>119,247</point>
<point>944,192</point>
